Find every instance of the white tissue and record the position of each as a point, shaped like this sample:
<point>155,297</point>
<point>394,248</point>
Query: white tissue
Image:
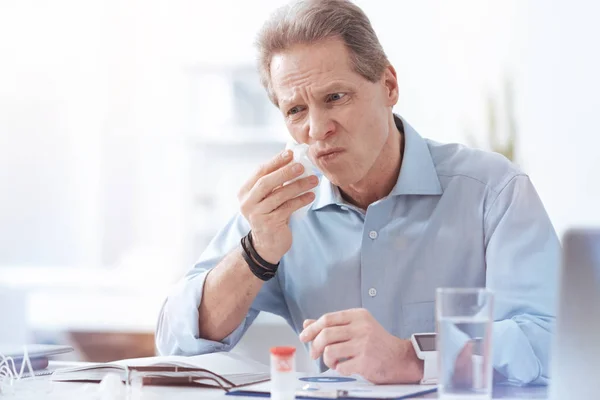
<point>112,388</point>
<point>301,156</point>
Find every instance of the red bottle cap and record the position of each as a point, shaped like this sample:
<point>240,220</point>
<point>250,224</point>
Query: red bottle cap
<point>285,351</point>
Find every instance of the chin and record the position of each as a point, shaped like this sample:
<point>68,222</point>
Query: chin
<point>339,178</point>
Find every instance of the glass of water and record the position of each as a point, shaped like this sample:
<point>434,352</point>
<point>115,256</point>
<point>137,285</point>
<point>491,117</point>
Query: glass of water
<point>464,320</point>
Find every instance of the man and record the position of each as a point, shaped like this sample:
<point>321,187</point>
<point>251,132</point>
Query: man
<point>395,216</point>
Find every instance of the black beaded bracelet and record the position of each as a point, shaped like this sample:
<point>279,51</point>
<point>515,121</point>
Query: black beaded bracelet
<point>257,256</point>
<point>261,268</point>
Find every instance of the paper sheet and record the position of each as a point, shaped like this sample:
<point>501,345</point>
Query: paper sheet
<point>219,363</point>
<point>330,384</point>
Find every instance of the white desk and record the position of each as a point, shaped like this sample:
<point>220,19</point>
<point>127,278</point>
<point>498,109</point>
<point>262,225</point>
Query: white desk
<point>186,393</point>
<point>36,390</point>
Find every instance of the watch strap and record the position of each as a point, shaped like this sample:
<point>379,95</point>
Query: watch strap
<point>430,371</point>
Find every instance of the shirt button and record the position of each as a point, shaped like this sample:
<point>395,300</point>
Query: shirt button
<point>373,235</point>
<point>344,208</point>
<point>372,292</point>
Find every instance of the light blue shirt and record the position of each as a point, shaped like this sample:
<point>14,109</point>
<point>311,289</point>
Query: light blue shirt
<point>457,217</point>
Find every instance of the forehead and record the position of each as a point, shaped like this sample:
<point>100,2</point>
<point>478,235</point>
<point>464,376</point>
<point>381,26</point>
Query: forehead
<point>311,66</point>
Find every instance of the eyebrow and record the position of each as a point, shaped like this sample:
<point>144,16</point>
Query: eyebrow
<point>333,87</point>
<point>287,102</point>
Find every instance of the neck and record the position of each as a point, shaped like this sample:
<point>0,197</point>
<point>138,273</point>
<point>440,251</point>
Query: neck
<point>382,177</point>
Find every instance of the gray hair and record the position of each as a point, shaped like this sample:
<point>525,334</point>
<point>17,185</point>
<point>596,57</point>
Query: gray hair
<point>310,21</point>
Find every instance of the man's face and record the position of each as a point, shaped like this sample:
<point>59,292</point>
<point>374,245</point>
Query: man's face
<point>340,114</point>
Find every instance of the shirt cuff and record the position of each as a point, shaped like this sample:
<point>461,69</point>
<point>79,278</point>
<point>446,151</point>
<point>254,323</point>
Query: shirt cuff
<point>513,355</point>
<point>177,331</point>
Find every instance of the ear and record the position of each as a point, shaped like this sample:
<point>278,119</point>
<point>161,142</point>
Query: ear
<point>391,85</point>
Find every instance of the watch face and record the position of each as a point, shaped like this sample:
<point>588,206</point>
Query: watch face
<point>426,342</point>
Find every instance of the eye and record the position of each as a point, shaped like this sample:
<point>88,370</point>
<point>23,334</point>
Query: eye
<point>294,110</point>
<point>335,97</point>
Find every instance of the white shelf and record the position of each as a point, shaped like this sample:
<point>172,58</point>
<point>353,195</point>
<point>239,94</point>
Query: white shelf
<point>239,135</point>
<point>240,142</point>
<point>237,141</point>
<point>93,311</point>
<point>86,299</point>
<point>81,277</point>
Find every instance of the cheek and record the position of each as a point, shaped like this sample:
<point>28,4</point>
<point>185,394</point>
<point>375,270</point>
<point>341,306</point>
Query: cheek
<point>363,125</point>
<point>351,119</point>
<point>297,132</point>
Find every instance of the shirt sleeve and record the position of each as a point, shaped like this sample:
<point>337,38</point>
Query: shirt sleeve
<point>522,259</point>
<point>177,331</point>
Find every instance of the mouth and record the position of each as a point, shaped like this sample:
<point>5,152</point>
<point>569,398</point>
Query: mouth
<point>328,154</point>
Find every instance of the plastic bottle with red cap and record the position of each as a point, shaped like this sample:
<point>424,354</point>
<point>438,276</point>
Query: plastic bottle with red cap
<point>283,373</point>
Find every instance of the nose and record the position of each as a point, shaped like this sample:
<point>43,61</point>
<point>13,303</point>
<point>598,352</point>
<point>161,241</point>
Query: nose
<point>320,125</point>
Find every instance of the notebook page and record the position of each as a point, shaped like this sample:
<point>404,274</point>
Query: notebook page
<point>218,363</point>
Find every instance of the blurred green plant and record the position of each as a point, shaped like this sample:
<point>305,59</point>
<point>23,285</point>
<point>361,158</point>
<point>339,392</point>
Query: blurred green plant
<point>501,136</point>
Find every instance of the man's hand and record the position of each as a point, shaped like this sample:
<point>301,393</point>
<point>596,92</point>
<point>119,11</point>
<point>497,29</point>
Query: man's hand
<point>463,373</point>
<point>353,342</point>
<point>267,204</point>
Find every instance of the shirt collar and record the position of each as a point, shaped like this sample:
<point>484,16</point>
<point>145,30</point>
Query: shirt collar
<point>327,194</point>
<point>417,174</point>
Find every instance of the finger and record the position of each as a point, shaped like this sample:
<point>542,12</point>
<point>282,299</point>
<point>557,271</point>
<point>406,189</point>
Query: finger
<point>270,166</point>
<point>266,184</point>
<point>285,210</point>
<point>338,353</point>
<point>307,322</point>
<point>348,367</point>
<point>327,320</point>
<point>463,367</point>
<point>329,336</point>
<point>287,192</point>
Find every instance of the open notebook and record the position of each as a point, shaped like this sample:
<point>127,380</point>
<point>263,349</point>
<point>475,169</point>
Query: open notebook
<point>224,370</point>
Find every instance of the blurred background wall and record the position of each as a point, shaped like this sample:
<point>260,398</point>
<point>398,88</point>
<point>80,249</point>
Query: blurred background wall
<point>127,127</point>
